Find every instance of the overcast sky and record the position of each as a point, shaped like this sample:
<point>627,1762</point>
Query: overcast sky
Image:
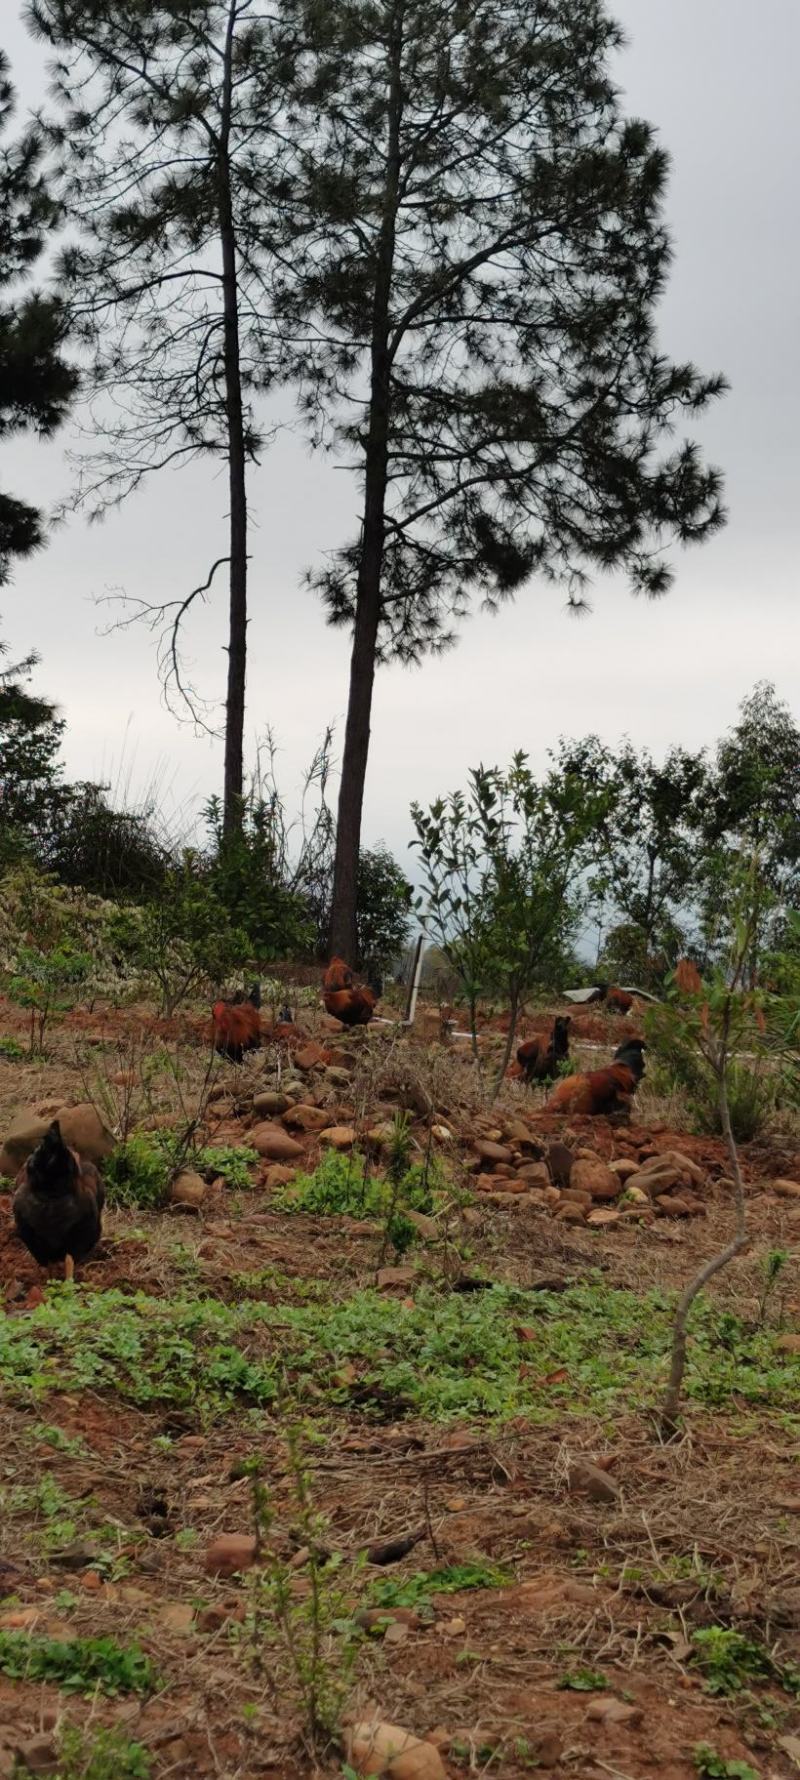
<point>718,79</point>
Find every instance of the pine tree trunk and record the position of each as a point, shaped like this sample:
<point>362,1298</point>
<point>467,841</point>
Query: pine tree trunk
<point>233,772</point>
<point>343,934</point>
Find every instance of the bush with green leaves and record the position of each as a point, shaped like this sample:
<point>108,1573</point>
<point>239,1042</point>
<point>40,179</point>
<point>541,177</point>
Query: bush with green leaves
<point>184,941</point>
<point>96,1754</point>
<point>501,870</point>
<point>77,1665</point>
<point>139,1171</point>
<point>711,1765</point>
<point>46,983</point>
<point>345,1186</point>
<point>383,908</point>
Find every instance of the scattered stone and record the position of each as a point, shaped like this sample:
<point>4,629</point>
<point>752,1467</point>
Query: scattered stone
<point>595,1179</point>
<point>610,1712</point>
<point>177,1617</point>
<point>188,1190</point>
<point>39,1756</point>
<point>307,1118</point>
<point>311,1056</point>
<point>454,1628</point>
<point>391,1277</point>
<point>603,1216</point>
<point>442,1133</point>
<point>654,1181</point>
<point>279,1176</point>
<point>560,1163</point>
<point>212,1619</point>
<point>670,1205</point>
<point>624,1166</point>
<point>379,1748</point>
<point>545,1592</point>
<point>488,1151</point>
<point>337,1076</point>
<point>534,1174</point>
<point>231,1553</point>
<point>426,1227</point>
<point>570,1214</point>
<point>786,1189</point>
<point>274,1143</point>
<point>587,1479</point>
<point>83,1129</point>
<point>686,1166</point>
<point>379,1136</point>
<point>22,1136</point>
<point>788,1344</point>
<point>270,1102</point>
<point>372,1619</point>
<point>339,1137</point>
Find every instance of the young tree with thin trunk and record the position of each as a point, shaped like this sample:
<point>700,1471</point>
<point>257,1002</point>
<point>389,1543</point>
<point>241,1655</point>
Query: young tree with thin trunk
<point>162,125</point>
<point>473,251</point>
<point>501,868</point>
<point>713,1019</point>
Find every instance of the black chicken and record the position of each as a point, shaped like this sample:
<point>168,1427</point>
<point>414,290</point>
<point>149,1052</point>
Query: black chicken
<point>57,1204</point>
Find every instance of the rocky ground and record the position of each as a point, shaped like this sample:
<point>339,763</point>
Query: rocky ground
<point>258,1468</point>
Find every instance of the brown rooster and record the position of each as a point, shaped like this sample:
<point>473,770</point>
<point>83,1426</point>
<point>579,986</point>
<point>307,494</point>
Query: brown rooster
<point>539,1058</point>
<point>354,1007</point>
<point>600,1091</point>
<point>57,1204</point>
<point>237,1024</point>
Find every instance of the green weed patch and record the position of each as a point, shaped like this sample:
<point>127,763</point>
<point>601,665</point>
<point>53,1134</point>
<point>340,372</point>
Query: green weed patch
<point>493,1354</point>
<point>77,1665</point>
<point>419,1589</point>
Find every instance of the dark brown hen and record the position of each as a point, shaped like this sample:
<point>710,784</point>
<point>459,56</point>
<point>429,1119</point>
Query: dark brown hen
<point>57,1204</point>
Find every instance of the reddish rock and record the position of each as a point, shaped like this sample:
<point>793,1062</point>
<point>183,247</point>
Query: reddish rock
<point>307,1118</point>
<point>274,1143</point>
<point>231,1553</point>
<point>492,1152</point>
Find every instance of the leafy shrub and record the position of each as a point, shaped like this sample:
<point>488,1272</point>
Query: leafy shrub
<point>77,1665</point>
<point>100,1755</point>
<point>730,1662</point>
<point>43,982</point>
<point>753,1086</point>
<point>182,941</point>
<point>231,1161</point>
<point>137,1173</point>
<point>583,1681</point>
<point>11,1050</point>
<point>711,1766</point>
<point>383,907</point>
<point>340,1187</point>
<point>449,1356</point>
<point>451,1579</point>
<point>140,1169</point>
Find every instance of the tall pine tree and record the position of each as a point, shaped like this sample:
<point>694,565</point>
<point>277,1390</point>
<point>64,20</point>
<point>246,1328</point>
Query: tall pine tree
<point>471,249</point>
<point>163,120</point>
<point>35,381</point>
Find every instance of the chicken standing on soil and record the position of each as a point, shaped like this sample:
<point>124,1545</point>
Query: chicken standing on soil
<point>57,1204</point>
<point>354,1007</point>
<point>539,1058</point>
<point>600,1091</point>
<point>237,1024</point>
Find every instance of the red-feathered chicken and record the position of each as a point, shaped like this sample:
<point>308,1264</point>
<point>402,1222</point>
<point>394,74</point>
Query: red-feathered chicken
<point>57,1204</point>
<point>354,1007</point>
<point>606,1091</point>
<point>618,1001</point>
<point>237,1024</point>
<point>539,1058</point>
